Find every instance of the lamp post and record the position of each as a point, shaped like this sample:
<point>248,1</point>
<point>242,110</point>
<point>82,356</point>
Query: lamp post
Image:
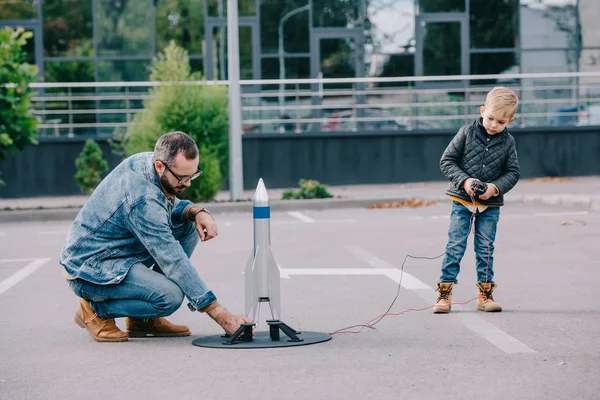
<point>281,51</point>
<point>236,175</point>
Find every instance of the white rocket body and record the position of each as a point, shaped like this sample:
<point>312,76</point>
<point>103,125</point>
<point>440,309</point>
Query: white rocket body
<point>262,272</point>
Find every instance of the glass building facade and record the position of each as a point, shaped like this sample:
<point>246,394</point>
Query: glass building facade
<point>115,40</point>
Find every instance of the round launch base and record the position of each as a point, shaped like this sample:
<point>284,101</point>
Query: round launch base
<point>261,340</point>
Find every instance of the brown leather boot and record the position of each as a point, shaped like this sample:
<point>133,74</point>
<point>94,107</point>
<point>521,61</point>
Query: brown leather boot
<point>485,300</point>
<point>444,300</point>
<point>100,329</point>
<point>154,327</point>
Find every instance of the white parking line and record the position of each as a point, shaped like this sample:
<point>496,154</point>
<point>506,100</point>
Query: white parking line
<point>408,281</point>
<point>301,217</point>
<point>561,214</point>
<point>22,273</point>
<point>495,336</point>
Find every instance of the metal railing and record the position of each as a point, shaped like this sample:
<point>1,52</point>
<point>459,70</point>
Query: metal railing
<point>329,105</point>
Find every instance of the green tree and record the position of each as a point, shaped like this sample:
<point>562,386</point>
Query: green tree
<point>18,125</point>
<point>90,167</point>
<point>179,104</point>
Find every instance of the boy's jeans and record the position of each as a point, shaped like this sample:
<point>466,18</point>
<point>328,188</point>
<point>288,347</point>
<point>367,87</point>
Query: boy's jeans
<point>485,234</point>
<point>145,292</point>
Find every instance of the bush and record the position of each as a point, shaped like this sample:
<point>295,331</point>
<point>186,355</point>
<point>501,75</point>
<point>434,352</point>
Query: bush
<point>90,167</point>
<point>18,125</point>
<point>309,189</point>
<point>198,110</point>
<point>208,184</point>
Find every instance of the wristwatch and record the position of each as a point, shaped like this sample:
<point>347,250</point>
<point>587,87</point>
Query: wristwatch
<point>192,215</point>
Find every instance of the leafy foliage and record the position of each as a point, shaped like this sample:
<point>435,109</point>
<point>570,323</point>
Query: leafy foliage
<point>309,189</point>
<point>18,125</point>
<point>90,167</point>
<point>179,104</point>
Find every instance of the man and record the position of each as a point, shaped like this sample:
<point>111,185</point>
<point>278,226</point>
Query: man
<point>128,251</point>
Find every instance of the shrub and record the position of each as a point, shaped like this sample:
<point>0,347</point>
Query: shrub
<point>90,167</point>
<point>198,110</point>
<point>208,184</point>
<point>309,189</point>
<point>18,125</point>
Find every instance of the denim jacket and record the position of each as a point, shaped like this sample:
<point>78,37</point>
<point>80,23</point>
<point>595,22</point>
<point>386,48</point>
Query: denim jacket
<point>127,220</point>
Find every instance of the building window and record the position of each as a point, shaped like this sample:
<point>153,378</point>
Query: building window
<point>181,21</point>
<point>18,9</point>
<point>433,6</point>
<point>547,24</point>
<point>494,63</point>
<point>123,27</point>
<point>493,24</point>
<point>218,8</point>
<point>341,13</point>
<point>295,27</point>
<point>68,28</point>
<point>390,39</point>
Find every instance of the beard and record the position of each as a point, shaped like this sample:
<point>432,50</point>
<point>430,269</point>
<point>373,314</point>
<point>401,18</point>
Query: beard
<point>172,190</point>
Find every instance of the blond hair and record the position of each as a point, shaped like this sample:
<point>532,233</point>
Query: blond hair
<point>502,99</point>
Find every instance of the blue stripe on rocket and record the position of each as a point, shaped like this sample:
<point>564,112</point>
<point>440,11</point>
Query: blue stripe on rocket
<point>261,212</point>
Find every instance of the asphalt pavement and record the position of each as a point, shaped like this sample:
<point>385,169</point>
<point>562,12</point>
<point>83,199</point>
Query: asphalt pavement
<point>341,266</point>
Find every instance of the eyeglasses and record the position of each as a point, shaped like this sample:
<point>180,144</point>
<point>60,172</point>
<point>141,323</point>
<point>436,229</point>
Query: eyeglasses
<point>182,179</point>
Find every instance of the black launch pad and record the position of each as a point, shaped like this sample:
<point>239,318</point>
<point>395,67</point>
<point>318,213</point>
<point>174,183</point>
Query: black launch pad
<point>243,338</point>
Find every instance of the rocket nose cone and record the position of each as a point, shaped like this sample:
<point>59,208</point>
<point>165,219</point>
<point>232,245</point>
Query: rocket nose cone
<point>261,197</point>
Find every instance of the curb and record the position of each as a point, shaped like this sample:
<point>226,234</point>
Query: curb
<point>65,214</point>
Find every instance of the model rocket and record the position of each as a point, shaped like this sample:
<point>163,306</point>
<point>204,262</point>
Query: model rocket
<point>262,272</point>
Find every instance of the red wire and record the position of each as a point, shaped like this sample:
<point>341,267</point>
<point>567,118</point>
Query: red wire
<point>367,325</point>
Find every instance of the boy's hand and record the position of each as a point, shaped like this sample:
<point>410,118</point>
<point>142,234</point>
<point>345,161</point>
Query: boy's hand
<point>491,190</point>
<point>467,187</point>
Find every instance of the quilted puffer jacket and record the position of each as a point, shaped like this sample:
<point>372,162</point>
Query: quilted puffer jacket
<point>473,153</point>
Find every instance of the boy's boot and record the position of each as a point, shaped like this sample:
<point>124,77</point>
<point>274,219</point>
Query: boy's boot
<point>101,329</point>
<point>444,300</point>
<point>485,300</point>
<point>157,327</point>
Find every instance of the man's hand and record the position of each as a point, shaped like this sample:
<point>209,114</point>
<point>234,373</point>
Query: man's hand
<point>206,226</point>
<point>467,187</point>
<point>229,322</point>
<point>491,191</point>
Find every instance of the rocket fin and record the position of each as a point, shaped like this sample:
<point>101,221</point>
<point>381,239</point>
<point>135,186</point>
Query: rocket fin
<point>251,287</point>
<point>275,283</point>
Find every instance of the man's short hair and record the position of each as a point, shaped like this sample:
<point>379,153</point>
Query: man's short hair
<point>170,144</point>
<point>502,99</point>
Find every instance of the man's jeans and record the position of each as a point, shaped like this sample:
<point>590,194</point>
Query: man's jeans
<point>485,234</point>
<point>145,292</point>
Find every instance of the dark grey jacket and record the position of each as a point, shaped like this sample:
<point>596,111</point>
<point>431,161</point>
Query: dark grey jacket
<point>475,154</point>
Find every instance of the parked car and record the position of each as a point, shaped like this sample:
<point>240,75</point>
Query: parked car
<point>346,121</point>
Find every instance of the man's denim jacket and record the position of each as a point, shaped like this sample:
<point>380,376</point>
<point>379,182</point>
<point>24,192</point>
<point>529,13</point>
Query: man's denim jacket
<point>127,220</point>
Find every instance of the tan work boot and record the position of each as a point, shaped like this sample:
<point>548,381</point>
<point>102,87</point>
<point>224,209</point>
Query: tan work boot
<point>485,300</point>
<point>101,329</point>
<point>154,327</point>
<point>444,300</point>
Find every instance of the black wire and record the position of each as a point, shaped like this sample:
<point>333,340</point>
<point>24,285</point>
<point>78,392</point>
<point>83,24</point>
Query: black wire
<point>371,326</point>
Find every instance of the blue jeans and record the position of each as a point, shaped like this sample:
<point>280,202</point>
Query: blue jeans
<point>485,235</point>
<point>144,292</point>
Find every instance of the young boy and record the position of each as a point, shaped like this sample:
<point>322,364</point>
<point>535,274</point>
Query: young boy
<point>481,164</point>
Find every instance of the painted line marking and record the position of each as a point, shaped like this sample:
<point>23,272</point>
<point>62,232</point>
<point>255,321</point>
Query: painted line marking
<point>500,339</point>
<point>408,281</point>
<point>565,213</point>
<point>495,336</point>
<point>21,274</point>
<point>302,217</point>
<point>321,221</point>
